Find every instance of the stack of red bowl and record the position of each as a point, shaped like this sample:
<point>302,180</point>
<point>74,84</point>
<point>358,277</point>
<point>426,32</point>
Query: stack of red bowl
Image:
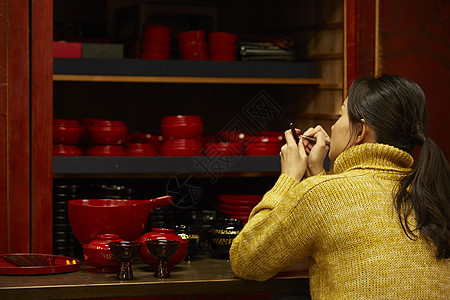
<point>107,138</point>
<point>238,206</point>
<point>66,135</point>
<point>264,145</point>
<point>156,42</point>
<point>181,135</point>
<point>143,144</point>
<point>192,45</point>
<point>223,46</point>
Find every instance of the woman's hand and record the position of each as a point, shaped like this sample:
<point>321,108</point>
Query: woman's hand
<point>293,157</point>
<point>316,151</point>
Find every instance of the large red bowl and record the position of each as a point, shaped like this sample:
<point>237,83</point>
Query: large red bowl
<point>66,132</point>
<point>106,132</point>
<point>127,218</point>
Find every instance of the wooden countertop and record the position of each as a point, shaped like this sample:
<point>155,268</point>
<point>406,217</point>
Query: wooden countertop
<point>205,275</point>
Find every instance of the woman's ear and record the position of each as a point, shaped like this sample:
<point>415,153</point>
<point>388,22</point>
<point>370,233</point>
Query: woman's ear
<point>365,134</point>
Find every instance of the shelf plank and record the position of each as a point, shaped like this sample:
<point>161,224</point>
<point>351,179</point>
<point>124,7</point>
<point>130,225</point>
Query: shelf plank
<point>178,79</point>
<point>212,166</point>
<point>185,71</point>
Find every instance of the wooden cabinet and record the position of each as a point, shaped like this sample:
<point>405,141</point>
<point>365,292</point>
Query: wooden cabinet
<point>325,32</point>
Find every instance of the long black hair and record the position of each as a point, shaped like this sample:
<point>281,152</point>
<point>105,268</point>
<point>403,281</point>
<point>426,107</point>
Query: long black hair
<point>395,107</point>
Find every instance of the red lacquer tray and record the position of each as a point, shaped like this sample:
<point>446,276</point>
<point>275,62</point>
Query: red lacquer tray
<point>62,264</point>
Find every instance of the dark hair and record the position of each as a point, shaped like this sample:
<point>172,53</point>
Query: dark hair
<point>395,107</point>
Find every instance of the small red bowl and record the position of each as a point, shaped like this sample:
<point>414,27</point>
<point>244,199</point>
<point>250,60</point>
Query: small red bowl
<point>98,254</point>
<point>191,36</point>
<point>222,38</point>
<point>157,29</point>
<point>162,40</point>
<point>66,131</point>
<point>263,149</point>
<point>141,149</point>
<point>162,234</point>
<point>223,149</point>
<point>106,150</point>
<point>181,147</point>
<point>146,138</point>
<point>234,136</point>
<point>223,58</point>
<point>181,119</point>
<point>149,47</point>
<point>240,199</point>
<point>156,56</point>
<point>193,47</point>
<point>106,132</point>
<point>222,51</point>
<point>66,150</point>
<point>181,127</point>
<point>195,56</point>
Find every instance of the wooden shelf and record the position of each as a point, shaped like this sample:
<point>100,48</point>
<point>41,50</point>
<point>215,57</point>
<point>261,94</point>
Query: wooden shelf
<point>184,71</point>
<point>213,166</point>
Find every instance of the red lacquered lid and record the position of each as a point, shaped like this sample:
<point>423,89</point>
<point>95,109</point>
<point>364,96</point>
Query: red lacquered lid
<point>107,123</point>
<point>161,234</point>
<point>66,123</point>
<point>181,119</point>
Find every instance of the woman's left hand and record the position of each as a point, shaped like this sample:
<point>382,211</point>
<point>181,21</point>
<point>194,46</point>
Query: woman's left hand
<point>293,157</point>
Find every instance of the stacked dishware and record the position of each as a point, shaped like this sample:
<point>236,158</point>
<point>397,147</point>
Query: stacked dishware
<point>238,206</point>
<point>66,136</point>
<point>106,138</point>
<point>181,135</point>
<point>223,46</point>
<point>192,45</point>
<point>156,42</point>
<point>63,239</point>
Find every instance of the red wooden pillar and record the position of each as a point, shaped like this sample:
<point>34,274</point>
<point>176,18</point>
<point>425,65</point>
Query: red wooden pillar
<point>25,126</point>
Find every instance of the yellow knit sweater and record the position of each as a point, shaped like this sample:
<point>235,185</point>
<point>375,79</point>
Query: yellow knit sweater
<point>347,224</point>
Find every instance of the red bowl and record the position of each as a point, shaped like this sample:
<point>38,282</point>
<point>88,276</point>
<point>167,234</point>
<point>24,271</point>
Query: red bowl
<point>127,218</point>
<point>223,58</point>
<point>157,29</point>
<point>98,254</point>
<point>193,47</point>
<point>146,138</point>
<point>141,149</point>
<point>239,209</point>
<point>222,51</point>
<point>240,199</point>
<point>149,47</point>
<point>106,132</point>
<point>162,40</point>
<point>234,136</point>
<point>262,149</point>
<point>66,131</point>
<point>181,147</point>
<point>66,150</point>
<point>162,234</point>
<point>181,119</point>
<point>191,36</point>
<point>195,56</point>
<point>157,56</point>
<point>106,150</point>
<point>222,38</point>
<point>223,149</point>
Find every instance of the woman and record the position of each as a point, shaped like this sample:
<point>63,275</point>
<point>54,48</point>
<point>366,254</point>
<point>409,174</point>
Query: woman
<point>379,226</point>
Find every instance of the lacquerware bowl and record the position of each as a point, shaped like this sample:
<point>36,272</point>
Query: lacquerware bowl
<point>162,234</point>
<point>191,36</point>
<point>141,149</point>
<point>125,252</point>
<point>107,132</point>
<point>127,218</point>
<point>66,150</point>
<point>222,235</point>
<point>223,149</point>
<point>67,132</point>
<point>181,147</point>
<point>264,145</point>
<point>222,38</point>
<point>182,127</point>
<point>98,254</point>
<point>106,150</point>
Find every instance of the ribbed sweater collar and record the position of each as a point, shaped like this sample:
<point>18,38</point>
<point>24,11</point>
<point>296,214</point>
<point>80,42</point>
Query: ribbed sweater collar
<point>373,156</point>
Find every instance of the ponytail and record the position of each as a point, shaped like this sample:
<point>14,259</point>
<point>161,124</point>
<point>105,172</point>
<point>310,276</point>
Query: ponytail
<point>395,107</point>
<point>425,191</point>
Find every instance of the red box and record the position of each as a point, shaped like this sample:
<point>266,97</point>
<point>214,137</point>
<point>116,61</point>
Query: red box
<point>67,49</point>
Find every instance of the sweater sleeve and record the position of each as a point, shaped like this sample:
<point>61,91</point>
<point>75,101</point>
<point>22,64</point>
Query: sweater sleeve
<point>279,233</point>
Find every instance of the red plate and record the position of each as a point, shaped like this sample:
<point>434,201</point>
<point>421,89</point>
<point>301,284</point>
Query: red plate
<point>240,199</point>
<point>60,266</point>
